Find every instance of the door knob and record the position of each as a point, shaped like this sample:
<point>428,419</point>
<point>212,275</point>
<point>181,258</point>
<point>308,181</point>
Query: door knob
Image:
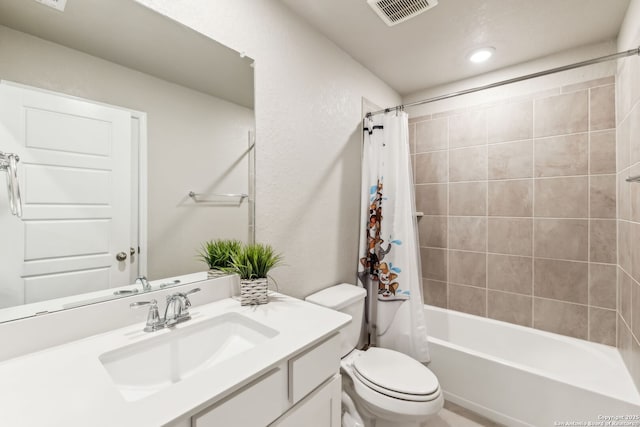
<point>132,251</point>
<point>121,256</point>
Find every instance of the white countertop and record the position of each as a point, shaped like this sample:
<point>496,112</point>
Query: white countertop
<point>68,386</point>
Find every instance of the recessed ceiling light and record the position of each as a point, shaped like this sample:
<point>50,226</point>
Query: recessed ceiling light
<point>481,55</point>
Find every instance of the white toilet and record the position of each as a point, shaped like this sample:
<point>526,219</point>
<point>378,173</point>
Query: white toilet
<point>390,389</point>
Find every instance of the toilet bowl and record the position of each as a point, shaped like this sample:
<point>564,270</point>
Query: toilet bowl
<point>392,386</point>
<point>389,388</point>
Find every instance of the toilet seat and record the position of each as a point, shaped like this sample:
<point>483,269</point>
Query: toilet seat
<point>378,397</point>
<point>396,375</point>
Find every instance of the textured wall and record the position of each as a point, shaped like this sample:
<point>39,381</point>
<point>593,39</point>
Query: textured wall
<point>308,111</point>
<point>519,203</point>
<point>628,163</point>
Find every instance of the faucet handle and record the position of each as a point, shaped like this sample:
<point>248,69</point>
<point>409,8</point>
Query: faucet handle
<point>187,302</point>
<point>139,304</point>
<point>180,304</point>
<point>184,296</point>
<point>154,321</point>
<point>192,291</point>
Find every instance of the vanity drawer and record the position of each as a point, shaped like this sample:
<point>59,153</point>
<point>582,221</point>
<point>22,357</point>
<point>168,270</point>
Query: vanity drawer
<point>257,404</point>
<point>311,368</point>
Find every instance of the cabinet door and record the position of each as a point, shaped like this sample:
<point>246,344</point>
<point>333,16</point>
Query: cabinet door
<point>309,370</point>
<point>322,408</point>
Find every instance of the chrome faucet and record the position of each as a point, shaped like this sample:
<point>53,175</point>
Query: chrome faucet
<point>144,282</point>
<point>177,311</point>
<point>154,321</point>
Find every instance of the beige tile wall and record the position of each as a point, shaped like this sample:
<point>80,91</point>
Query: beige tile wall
<point>628,163</point>
<point>519,202</point>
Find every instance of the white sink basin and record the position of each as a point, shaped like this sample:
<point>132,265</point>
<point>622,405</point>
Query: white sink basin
<point>144,368</point>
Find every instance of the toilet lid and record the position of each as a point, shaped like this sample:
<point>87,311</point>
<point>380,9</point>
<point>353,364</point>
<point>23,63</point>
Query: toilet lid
<point>392,371</point>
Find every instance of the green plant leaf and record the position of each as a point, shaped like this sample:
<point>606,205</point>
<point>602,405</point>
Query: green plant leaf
<point>217,254</point>
<point>254,261</point>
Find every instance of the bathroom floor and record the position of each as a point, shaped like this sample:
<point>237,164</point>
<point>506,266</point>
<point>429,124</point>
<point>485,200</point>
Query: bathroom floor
<point>456,416</point>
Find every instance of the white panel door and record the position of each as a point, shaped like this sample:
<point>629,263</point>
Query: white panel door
<point>75,179</point>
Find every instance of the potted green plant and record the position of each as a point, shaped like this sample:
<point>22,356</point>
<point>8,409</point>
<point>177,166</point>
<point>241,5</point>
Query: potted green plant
<point>253,263</point>
<point>217,254</point>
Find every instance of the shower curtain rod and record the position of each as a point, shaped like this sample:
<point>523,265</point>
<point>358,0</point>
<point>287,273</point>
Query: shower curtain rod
<point>606,58</point>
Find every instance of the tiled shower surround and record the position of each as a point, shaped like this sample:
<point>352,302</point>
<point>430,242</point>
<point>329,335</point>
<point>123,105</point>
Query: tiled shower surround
<point>628,149</point>
<point>519,203</point>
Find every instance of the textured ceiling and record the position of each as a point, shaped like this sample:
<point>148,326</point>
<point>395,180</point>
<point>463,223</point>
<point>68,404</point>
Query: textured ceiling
<point>431,49</point>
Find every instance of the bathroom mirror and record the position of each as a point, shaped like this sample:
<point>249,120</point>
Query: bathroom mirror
<point>136,143</point>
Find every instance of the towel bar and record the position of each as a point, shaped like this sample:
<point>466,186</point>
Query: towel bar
<point>197,196</point>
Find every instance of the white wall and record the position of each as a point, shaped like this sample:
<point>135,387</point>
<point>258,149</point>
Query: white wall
<point>196,142</point>
<point>630,27</point>
<point>308,110</point>
<point>522,88</point>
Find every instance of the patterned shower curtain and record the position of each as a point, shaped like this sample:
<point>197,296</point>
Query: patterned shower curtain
<point>389,263</point>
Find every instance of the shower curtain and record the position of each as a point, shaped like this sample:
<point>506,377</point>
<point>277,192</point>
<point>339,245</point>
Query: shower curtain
<point>389,263</point>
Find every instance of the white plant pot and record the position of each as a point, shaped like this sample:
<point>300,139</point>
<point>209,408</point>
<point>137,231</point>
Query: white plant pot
<point>254,291</point>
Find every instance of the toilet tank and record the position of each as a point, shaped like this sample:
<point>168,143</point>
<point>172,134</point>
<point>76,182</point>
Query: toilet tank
<point>348,299</point>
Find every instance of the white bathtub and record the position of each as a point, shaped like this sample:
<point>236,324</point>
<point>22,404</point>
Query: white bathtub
<point>521,376</point>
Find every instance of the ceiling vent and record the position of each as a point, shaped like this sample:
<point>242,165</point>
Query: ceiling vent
<point>393,12</point>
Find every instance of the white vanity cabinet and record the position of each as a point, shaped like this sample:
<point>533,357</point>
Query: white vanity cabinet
<point>287,373</point>
<point>303,391</point>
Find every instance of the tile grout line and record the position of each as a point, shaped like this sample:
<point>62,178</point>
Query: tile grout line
<point>633,282</point>
<point>589,214</point>
<point>563,301</point>
<point>447,208</point>
<point>615,147</point>
<point>528,217</point>
<point>540,218</point>
<point>510,141</point>
<point>486,217</point>
<point>533,204</point>
<point>576,261</point>
<point>540,178</point>
<point>469,147</point>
